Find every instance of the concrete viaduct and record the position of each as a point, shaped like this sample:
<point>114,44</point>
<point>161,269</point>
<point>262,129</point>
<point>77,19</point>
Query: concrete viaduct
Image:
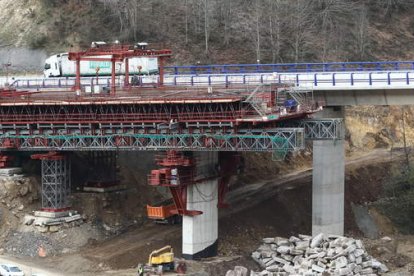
<point>221,94</point>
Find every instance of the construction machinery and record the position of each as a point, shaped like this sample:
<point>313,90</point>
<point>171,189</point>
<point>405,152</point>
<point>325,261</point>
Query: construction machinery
<point>162,257</point>
<point>164,212</point>
<point>159,261</point>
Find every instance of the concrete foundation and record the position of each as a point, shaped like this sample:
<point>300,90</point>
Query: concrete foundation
<point>200,232</point>
<point>328,187</point>
<point>10,171</point>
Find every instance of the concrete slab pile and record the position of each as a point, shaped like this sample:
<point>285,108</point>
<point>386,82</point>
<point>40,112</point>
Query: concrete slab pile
<point>10,171</point>
<point>318,255</point>
<point>47,221</point>
<point>238,271</point>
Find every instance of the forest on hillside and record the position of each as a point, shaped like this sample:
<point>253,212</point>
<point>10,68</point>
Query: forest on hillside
<point>232,30</point>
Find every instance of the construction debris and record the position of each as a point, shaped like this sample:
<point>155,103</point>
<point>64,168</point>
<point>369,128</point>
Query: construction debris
<point>318,255</point>
<point>108,189</point>
<point>10,171</point>
<point>49,221</point>
<point>237,271</point>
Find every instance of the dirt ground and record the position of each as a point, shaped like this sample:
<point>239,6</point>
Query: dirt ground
<point>280,206</point>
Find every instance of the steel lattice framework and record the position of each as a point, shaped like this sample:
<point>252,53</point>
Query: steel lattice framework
<point>116,113</point>
<point>279,139</point>
<point>319,129</point>
<point>323,129</point>
<point>55,183</point>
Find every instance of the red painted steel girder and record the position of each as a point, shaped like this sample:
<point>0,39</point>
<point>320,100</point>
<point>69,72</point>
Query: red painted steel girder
<point>117,55</point>
<point>52,155</point>
<point>13,93</point>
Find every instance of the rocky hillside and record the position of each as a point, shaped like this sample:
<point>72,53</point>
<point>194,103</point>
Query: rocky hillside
<point>217,31</point>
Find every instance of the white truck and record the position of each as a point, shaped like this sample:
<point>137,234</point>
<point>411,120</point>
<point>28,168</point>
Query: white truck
<point>59,65</point>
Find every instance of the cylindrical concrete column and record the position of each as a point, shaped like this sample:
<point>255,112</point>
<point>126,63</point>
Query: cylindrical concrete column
<point>200,232</point>
<point>328,187</point>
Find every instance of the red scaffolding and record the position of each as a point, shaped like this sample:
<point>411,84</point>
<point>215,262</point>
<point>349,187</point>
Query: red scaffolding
<point>179,171</point>
<point>117,53</point>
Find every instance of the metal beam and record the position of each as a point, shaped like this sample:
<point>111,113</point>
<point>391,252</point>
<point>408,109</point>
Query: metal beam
<point>278,139</point>
<point>323,129</point>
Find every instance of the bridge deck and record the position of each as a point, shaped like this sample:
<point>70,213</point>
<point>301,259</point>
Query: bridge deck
<point>174,95</point>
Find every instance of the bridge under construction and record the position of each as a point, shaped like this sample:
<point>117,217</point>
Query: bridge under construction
<point>200,128</point>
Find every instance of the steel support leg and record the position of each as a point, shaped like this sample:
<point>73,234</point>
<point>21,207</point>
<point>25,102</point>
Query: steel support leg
<point>55,183</point>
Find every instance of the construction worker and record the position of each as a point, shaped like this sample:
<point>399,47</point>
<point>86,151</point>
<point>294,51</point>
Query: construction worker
<point>140,270</point>
<point>174,176</point>
<point>135,80</point>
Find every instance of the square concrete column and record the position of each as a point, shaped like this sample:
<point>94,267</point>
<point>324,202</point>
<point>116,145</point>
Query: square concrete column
<point>200,232</point>
<point>328,187</point>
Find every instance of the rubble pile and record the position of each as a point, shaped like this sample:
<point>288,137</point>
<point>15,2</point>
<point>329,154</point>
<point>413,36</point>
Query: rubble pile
<point>319,255</point>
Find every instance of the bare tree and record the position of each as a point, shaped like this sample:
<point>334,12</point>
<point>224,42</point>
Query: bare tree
<point>186,22</point>
<point>275,28</point>
<point>391,6</point>
<point>406,149</point>
<point>206,26</point>
<point>362,32</point>
<point>301,28</point>
<point>333,22</point>
<point>258,31</point>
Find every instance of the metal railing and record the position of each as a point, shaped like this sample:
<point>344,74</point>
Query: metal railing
<point>290,67</point>
<point>315,81</point>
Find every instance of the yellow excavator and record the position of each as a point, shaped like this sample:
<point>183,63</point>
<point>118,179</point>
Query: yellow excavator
<point>159,261</point>
<point>162,257</point>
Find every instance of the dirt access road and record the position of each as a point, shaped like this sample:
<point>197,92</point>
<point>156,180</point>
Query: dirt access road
<point>126,250</point>
<point>134,246</point>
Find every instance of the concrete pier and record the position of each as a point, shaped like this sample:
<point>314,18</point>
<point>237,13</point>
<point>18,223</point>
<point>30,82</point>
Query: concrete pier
<point>328,187</point>
<point>200,233</point>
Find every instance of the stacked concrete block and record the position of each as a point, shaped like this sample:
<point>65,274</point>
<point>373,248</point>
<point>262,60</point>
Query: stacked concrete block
<point>312,256</point>
<point>238,271</point>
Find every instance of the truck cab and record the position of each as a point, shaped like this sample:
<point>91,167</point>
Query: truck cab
<point>52,66</point>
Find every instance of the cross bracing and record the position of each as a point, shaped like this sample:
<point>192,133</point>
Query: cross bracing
<point>55,183</point>
<point>289,139</point>
<point>323,129</point>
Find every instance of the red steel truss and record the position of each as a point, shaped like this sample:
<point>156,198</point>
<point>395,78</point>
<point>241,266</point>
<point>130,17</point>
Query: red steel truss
<point>227,120</point>
<point>178,172</point>
<point>117,53</point>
